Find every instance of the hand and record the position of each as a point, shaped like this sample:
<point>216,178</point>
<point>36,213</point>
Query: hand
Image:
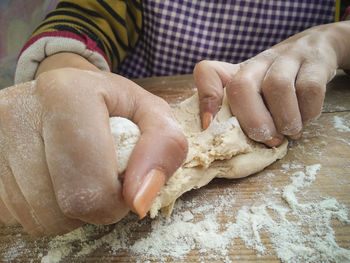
<point>58,166</point>
<point>277,92</point>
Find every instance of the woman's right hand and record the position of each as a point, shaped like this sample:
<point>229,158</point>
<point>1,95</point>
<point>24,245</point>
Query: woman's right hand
<point>58,166</point>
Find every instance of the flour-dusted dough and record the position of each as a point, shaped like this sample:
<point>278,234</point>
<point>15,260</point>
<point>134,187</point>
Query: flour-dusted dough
<point>125,134</point>
<point>222,150</point>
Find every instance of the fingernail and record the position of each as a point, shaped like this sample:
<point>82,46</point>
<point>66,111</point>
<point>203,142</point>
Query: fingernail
<point>206,120</point>
<point>275,142</point>
<point>148,191</point>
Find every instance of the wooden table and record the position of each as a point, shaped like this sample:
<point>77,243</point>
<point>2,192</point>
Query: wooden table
<point>323,143</point>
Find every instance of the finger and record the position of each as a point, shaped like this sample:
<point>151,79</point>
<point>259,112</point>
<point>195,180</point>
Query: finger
<point>310,87</point>
<point>246,102</point>
<point>16,204</point>
<point>161,149</point>
<point>210,78</point>
<point>32,176</point>
<point>279,93</point>
<point>296,136</point>
<point>5,215</point>
<point>26,157</point>
<point>79,147</point>
<point>10,193</point>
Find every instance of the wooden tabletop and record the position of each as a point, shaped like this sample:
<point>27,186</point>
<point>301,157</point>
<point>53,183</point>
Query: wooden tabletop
<point>325,145</point>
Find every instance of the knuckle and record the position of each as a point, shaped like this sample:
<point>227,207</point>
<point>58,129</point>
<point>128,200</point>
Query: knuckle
<point>210,101</point>
<point>238,85</point>
<point>276,85</point>
<point>207,89</point>
<point>163,104</point>
<point>203,64</point>
<point>158,103</point>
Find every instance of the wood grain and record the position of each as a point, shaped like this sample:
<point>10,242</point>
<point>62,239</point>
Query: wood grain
<point>321,144</point>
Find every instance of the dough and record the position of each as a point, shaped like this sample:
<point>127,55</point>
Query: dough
<point>125,134</point>
<point>222,150</point>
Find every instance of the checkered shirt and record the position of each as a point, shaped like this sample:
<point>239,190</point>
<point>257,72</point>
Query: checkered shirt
<point>178,34</point>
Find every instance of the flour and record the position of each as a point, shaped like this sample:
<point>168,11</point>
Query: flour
<point>340,125</point>
<point>298,231</point>
<point>300,180</point>
<point>12,252</point>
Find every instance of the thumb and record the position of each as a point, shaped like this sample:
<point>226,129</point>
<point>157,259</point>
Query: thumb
<point>160,150</point>
<point>210,78</point>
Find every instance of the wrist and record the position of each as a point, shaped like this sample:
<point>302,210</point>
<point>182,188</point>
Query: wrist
<point>64,60</point>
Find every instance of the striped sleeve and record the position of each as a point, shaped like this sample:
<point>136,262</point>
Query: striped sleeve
<point>102,31</point>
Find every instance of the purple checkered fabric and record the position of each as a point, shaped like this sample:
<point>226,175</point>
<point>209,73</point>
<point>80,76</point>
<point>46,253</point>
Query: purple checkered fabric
<point>178,34</point>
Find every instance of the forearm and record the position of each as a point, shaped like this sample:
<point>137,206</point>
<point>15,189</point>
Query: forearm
<point>64,60</point>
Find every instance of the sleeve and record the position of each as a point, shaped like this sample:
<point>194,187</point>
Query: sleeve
<point>102,31</point>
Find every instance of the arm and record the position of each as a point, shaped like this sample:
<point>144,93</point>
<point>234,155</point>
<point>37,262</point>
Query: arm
<point>102,32</point>
<point>60,123</point>
<point>57,156</point>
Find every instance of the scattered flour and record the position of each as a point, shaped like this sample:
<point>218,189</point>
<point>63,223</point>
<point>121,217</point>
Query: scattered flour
<point>340,125</point>
<point>269,175</point>
<point>298,231</point>
<point>343,141</point>
<point>13,252</point>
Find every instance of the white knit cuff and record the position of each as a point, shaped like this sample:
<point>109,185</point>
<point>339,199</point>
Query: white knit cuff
<point>43,47</point>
